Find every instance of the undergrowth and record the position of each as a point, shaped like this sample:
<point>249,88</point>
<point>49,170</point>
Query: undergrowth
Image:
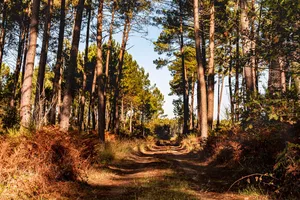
<point>47,163</point>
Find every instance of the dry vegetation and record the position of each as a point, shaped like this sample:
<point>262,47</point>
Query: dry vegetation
<point>50,164</point>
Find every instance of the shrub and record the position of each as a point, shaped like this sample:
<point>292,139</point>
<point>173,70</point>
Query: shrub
<point>287,171</point>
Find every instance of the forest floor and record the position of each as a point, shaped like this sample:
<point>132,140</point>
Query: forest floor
<point>162,172</point>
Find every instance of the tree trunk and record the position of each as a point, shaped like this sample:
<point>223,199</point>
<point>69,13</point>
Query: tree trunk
<point>69,91</point>
<point>86,54</point>
<point>201,74</point>
<point>100,75</point>
<point>220,95</point>
<point>248,73</point>
<point>25,52</point>
<point>2,37</point>
<point>109,45</point>
<point>192,103</point>
<point>230,85</point>
<point>18,64</point>
<point>276,82</point>
<point>116,118</point>
<point>253,48</point>
<point>40,91</point>
<point>282,74</point>
<point>211,66</point>
<point>92,101</point>
<point>237,67</point>
<point>184,76</point>
<point>130,118</point>
<point>58,65</point>
<point>25,112</point>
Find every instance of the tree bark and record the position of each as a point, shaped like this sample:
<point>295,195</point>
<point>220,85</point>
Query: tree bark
<point>109,46</point>
<point>25,112</point>
<point>86,54</point>
<point>201,75</point>
<point>220,95</point>
<point>92,102</point>
<point>184,76</point>
<point>100,75</point>
<point>116,117</point>
<point>40,91</point>
<point>230,85</point>
<point>130,118</point>
<point>58,65</point>
<point>68,94</point>
<point>211,66</point>
<point>192,103</point>
<point>2,37</point>
<point>16,75</point>
<point>25,52</point>
<point>237,66</point>
<point>248,73</point>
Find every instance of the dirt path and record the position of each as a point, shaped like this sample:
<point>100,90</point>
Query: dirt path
<point>162,172</point>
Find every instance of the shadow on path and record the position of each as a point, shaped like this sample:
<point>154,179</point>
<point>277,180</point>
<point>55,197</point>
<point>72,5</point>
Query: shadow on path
<point>161,172</point>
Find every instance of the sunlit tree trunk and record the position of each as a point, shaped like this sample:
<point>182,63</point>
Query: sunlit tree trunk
<point>40,92</point>
<point>116,117</point>
<point>130,118</point>
<point>192,103</point>
<point>68,93</point>
<point>245,33</point>
<point>86,53</point>
<point>100,75</point>
<point>201,74</point>
<point>211,66</point>
<point>253,48</point>
<point>25,109</point>
<point>58,66</point>
<point>220,95</point>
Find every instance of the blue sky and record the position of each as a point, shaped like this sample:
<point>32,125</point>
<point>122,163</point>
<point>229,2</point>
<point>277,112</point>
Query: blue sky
<point>142,50</point>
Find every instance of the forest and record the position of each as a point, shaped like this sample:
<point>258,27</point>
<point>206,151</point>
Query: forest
<point>80,118</point>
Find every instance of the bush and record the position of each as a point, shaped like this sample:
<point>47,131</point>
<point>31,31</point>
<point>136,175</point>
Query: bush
<point>34,165</point>
<point>287,171</point>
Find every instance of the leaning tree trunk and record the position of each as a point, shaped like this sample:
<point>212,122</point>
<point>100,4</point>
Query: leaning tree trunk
<point>69,88</point>
<point>25,112</point>
<point>59,62</point>
<point>211,66</point>
<point>40,92</point>
<point>184,77</point>
<point>100,75</point>
<point>86,54</point>
<point>201,75</point>
<point>116,117</point>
